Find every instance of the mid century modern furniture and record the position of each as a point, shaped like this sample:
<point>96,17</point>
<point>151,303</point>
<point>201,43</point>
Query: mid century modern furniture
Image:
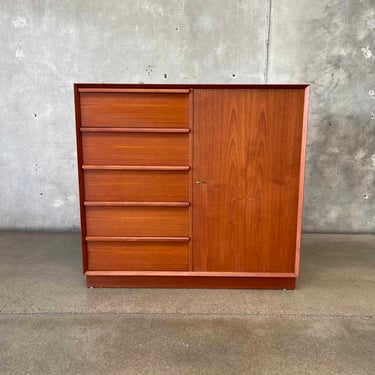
<point>191,185</point>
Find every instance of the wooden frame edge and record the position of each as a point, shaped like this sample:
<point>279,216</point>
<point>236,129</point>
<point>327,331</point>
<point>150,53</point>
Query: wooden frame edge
<point>140,89</point>
<point>87,87</point>
<point>190,180</point>
<point>80,177</point>
<point>301,180</point>
<point>192,274</point>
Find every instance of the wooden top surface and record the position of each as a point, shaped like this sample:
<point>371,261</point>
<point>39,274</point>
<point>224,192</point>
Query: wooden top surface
<point>189,86</point>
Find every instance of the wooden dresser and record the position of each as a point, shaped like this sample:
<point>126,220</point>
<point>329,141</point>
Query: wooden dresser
<point>191,185</point>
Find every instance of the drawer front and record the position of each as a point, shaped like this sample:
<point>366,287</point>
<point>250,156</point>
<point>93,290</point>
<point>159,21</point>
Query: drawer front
<point>133,186</point>
<point>135,149</point>
<point>110,221</point>
<point>138,256</point>
<point>159,110</point>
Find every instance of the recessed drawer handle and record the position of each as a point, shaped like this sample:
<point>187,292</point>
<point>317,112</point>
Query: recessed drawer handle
<point>198,182</point>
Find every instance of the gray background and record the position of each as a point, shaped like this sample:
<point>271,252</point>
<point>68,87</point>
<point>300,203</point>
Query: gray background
<point>46,46</point>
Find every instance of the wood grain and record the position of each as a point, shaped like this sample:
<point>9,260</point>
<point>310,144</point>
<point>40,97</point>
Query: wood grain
<point>135,149</point>
<point>190,184</point>
<point>189,86</point>
<point>134,109</point>
<point>301,180</point>
<point>137,90</point>
<point>81,184</point>
<point>137,167</point>
<point>247,147</point>
<point>137,221</point>
<point>190,282</point>
<point>143,256</point>
<point>192,274</point>
<point>137,204</point>
<point>114,185</point>
<point>135,130</point>
<point>137,239</point>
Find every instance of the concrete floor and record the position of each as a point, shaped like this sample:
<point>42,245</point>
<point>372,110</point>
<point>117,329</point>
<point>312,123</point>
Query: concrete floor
<point>50,323</point>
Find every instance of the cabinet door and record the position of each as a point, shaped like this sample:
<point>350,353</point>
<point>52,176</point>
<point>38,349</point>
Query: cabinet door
<point>246,175</point>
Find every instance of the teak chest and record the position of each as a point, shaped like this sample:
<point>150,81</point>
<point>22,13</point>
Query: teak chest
<point>191,185</point>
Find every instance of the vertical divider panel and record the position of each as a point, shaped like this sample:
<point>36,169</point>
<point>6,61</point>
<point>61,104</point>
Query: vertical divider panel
<point>191,165</point>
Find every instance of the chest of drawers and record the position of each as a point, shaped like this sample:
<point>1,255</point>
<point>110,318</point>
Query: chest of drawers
<point>191,185</point>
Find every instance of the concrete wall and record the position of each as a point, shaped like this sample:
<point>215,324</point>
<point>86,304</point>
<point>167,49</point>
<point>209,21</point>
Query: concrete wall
<point>46,45</point>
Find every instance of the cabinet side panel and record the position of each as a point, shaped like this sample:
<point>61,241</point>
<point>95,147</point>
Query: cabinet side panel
<point>302,179</point>
<point>247,154</point>
<point>80,176</point>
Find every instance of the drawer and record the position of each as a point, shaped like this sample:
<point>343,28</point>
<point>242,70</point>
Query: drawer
<point>165,110</point>
<point>138,256</point>
<point>132,186</point>
<point>135,149</point>
<point>137,221</point>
